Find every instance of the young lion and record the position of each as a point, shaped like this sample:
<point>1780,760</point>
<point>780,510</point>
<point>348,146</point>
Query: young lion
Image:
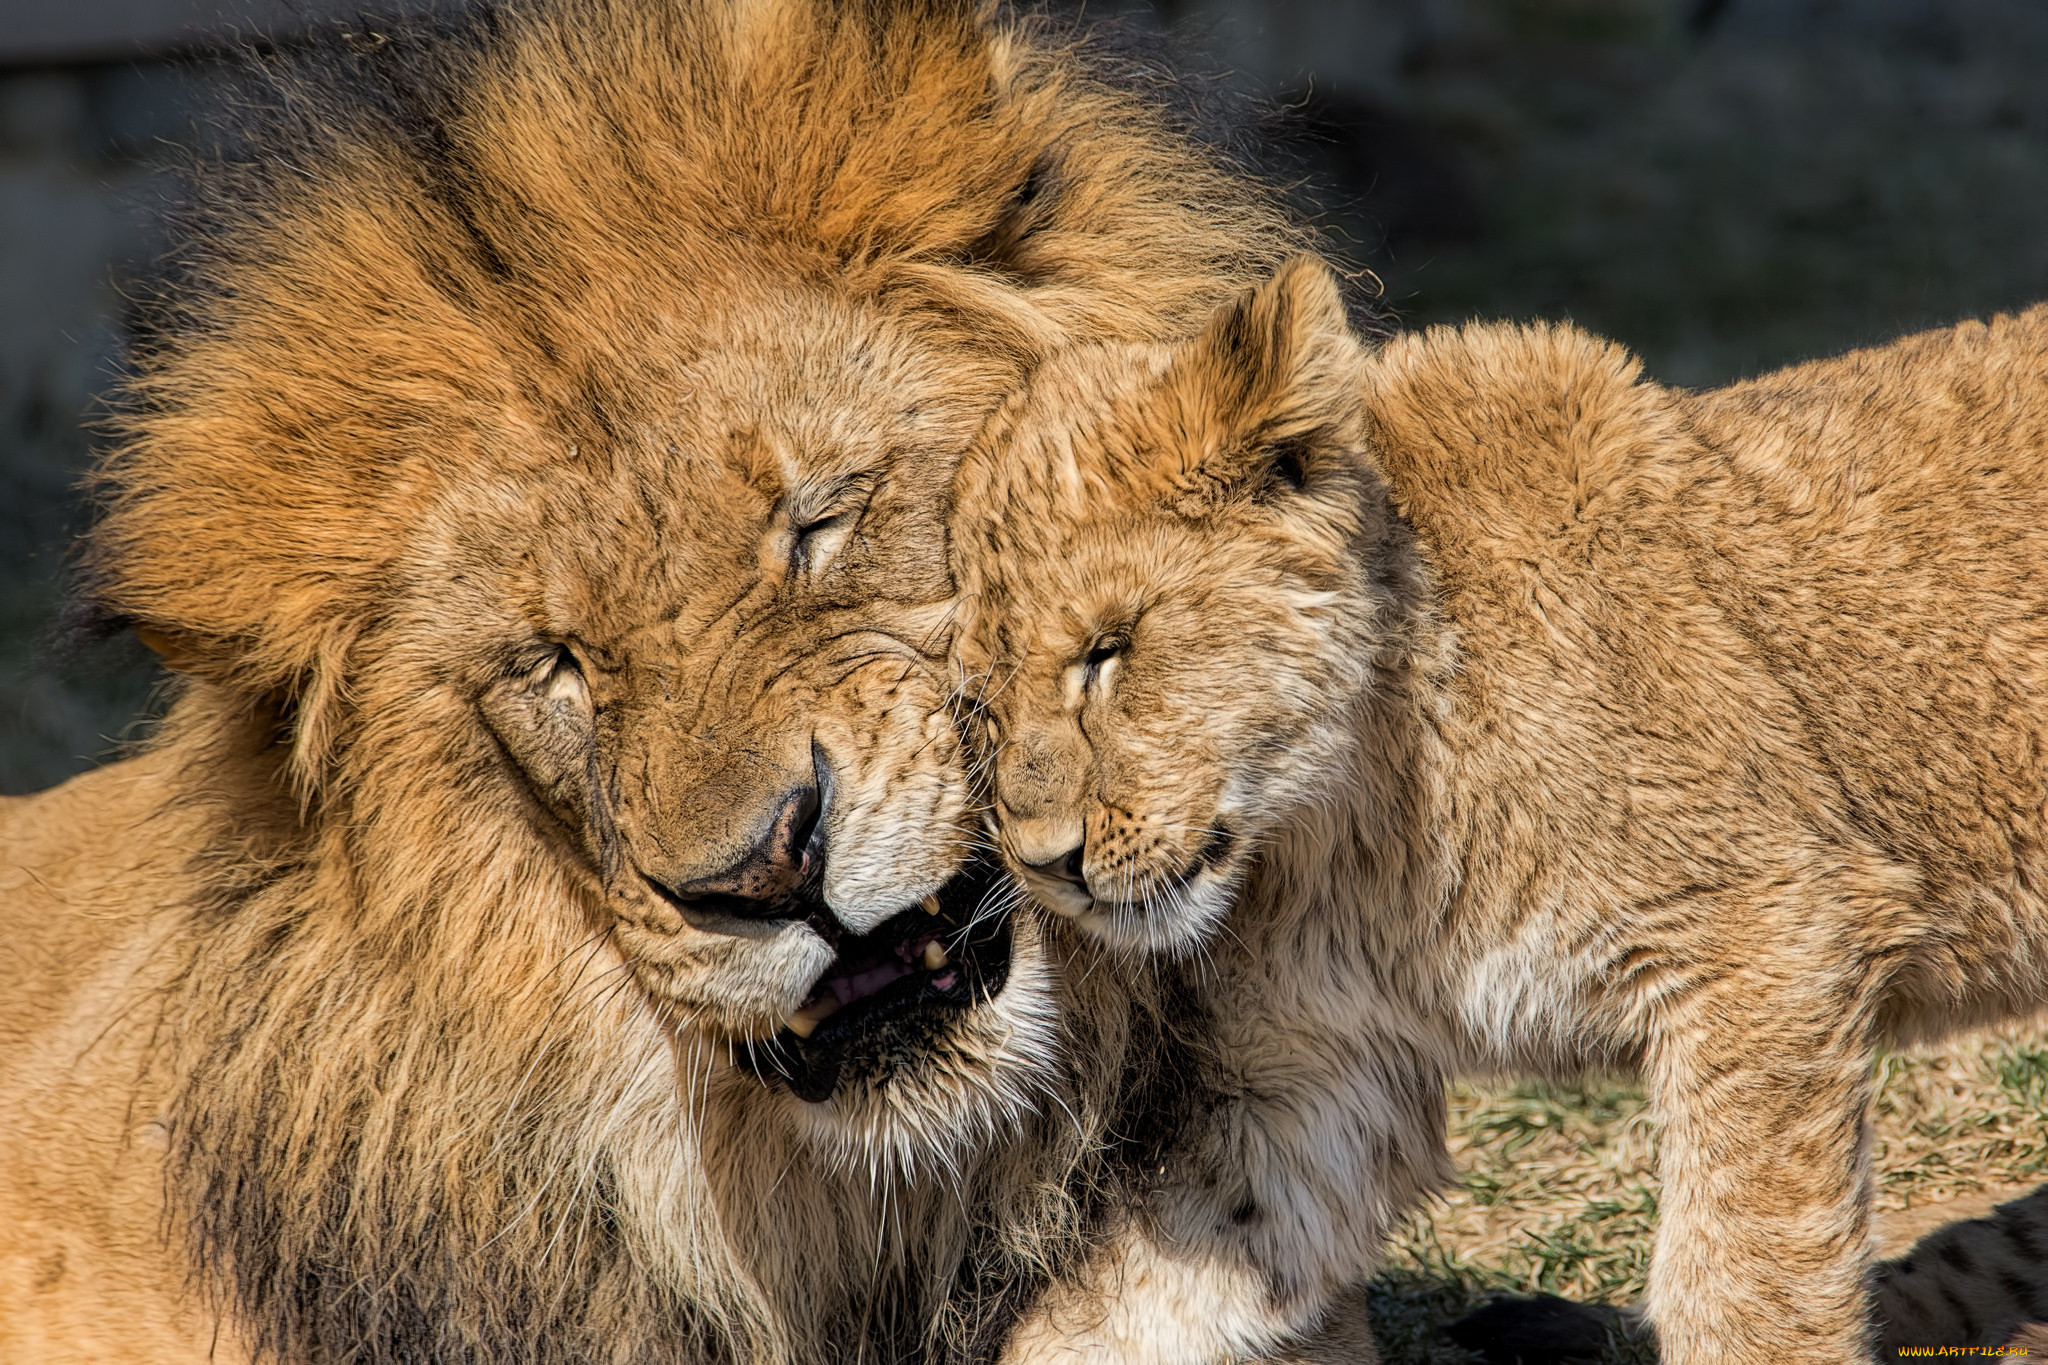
<point>1536,715</point>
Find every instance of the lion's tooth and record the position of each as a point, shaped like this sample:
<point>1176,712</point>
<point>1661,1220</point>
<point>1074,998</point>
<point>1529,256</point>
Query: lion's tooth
<point>810,1016</point>
<point>934,956</point>
<point>931,903</point>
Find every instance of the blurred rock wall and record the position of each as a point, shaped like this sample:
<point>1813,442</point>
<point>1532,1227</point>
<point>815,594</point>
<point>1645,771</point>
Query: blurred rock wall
<point>80,188</point>
<point>1726,185</point>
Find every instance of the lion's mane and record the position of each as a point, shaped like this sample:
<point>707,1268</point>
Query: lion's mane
<point>415,1111</point>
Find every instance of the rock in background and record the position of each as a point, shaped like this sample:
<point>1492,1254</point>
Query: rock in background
<point>78,195</point>
<point>1725,185</point>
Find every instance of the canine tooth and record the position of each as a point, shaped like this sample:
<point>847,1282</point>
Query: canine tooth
<point>931,903</point>
<point>934,956</point>
<point>807,1019</point>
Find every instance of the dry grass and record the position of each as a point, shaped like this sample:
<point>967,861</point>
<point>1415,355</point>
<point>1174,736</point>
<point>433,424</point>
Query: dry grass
<point>1558,1188</point>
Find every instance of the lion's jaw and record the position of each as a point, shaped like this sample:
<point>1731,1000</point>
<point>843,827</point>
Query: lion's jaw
<point>1177,562</point>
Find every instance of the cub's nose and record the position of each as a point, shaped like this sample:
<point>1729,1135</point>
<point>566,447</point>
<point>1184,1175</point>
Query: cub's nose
<point>762,884</point>
<point>1066,867</point>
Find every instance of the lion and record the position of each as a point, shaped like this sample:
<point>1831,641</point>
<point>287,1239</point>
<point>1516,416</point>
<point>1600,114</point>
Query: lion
<point>1531,715</point>
<point>549,923</point>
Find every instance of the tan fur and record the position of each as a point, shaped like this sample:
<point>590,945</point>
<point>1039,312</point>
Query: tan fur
<point>542,471</point>
<point>1539,715</point>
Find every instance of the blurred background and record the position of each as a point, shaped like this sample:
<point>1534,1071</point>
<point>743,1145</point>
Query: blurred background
<point>1724,185</point>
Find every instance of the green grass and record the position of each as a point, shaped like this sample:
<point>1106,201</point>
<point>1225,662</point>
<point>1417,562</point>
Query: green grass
<point>1557,1189</point>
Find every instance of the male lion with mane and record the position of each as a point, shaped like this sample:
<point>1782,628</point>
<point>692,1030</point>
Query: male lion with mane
<point>1521,713</point>
<point>543,928</point>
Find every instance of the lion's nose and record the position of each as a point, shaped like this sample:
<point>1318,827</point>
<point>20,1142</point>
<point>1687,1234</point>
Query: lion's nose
<point>1066,867</point>
<point>761,885</point>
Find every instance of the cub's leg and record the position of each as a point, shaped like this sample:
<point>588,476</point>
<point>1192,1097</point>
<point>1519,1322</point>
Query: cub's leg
<point>1341,1336</point>
<point>1763,1087</point>
<point>1143,1301</point>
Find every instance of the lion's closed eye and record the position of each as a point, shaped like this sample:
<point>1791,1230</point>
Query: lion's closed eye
<point>543,714</point>
<point>820,525</point>
<point>560,679</point>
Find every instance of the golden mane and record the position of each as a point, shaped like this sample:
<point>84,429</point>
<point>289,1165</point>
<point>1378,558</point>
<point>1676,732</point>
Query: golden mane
<point>415,1106</point>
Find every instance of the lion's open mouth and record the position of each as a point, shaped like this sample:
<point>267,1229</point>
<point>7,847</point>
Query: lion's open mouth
<point>890,994</point>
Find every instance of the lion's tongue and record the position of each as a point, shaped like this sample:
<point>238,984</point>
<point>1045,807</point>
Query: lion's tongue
<point>851,988</point>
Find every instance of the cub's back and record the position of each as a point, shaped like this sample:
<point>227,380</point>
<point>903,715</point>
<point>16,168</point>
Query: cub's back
<point>1885,519</point>
<point>1810,605</point>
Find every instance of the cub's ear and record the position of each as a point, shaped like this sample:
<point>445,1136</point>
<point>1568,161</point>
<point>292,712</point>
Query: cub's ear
<point>1269,339</point>
<point>1270,385</point>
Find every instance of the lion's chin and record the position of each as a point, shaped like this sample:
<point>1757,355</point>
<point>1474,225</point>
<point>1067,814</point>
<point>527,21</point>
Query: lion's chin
<point>924,1066</point>
<point>891,998</point>
<point>1175,919</point>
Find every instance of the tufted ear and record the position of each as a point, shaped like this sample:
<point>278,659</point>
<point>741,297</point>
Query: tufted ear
<point>181,651</point>
<point>1258,343</point>
<point>1272,374</point>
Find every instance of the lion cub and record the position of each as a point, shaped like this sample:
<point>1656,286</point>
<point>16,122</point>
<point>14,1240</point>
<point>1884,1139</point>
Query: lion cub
<point>1539,716</point>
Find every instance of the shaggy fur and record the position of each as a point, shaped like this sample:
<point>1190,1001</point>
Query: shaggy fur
<point>1535,715</point>
<point>541,472</point>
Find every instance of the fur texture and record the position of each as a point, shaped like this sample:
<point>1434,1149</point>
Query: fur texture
<point>1534,715</point>
<point>538,479</point>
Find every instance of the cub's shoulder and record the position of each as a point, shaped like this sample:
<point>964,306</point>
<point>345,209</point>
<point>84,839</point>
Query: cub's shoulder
<point>1513,433</point>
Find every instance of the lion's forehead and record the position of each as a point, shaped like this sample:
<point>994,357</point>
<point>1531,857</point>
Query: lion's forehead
<point>658,487</point>
<point>699,567</point>
<point>829,370</point>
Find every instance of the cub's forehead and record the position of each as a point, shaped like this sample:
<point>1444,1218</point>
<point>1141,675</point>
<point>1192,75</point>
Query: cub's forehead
<point>1066,473</point>
<point>1083,440</point>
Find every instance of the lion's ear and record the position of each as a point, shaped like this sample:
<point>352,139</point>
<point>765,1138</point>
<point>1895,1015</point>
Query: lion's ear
<point>1268,339</point>
<point>1270,381</point>
<point>179,651</point>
